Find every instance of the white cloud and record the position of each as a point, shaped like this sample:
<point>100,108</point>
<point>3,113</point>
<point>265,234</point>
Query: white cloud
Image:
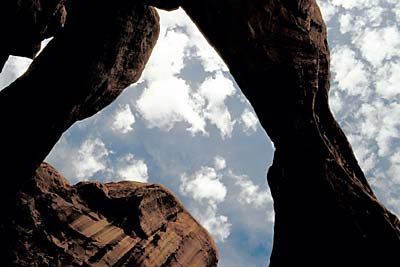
<point>346,22</point>
<point>359,4</point>
<point>215,90</point>
<point>90,159</point>
<point>14,67</point>
<point>207,190</point>
<point>165,102</point>
<point>219,163</point>
<point>207,55</point>
<point>249,120</point>
<point>349,72</point>
<point>394,170</point>
<point>327,9</point>
<point>218,225</point>
<point>380,44</point>
<point>132,169</point>
<point>251,193</point>
<point>205,184</point>
<point>335,101</point>
<point>123,120</point>
<point>167,58</point>
<point>388,80</point>
<point>167,98</point>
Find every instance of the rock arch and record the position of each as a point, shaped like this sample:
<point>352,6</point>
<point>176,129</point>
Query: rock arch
<point>326,213</point>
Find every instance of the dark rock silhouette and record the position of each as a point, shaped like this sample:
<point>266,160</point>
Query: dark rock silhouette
<point>326,212</point>
<point>24,24</point>
<point>83,69</point>
<point>96,224</point>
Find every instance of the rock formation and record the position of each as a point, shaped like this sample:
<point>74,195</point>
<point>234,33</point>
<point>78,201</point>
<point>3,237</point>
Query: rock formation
<point>326,213</point>
<point>24,24</point>
<point>47,222</point>
<point>95,224</point>
<point>83,69</point>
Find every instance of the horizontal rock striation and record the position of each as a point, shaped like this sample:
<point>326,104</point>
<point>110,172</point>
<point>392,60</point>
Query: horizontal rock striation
<point>95,224</point>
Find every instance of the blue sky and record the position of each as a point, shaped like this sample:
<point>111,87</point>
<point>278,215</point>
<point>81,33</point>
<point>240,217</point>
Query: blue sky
<point>186,125</point>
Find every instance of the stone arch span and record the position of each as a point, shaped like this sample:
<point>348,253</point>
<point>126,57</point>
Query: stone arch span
<point>326,213</point>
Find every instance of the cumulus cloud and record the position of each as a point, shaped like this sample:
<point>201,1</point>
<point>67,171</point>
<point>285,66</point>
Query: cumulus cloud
<point>250,193</point>
<point>132,169</point>
<point>164,65</point>
<point>352,4</point>
<point>377,45</point>
<point>215,90</point>
<point>364,94</point>
<point>327,9</point>
<point>218,225</point>
<point>249,120</point>
<point>168,99</point>
<point>349,72</point>
<point>219,163</point>
<point>123,120</point>
<point>207,190</point>
<point>207,55</point>
<point>90,159</point>
<point>166,102</point>
<point>205,184</point>
<point>388,82</point>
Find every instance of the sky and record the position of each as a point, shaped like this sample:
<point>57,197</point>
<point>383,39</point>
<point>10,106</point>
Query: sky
<point>186,125</point>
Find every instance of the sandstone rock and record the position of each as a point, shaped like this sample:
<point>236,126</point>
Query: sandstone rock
<point>24,24</point>
<point>102,49</point>
<point>95,224</point>
<point>326,212</point>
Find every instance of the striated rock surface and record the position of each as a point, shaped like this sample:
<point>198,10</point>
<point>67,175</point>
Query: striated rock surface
<point>325,211</point>
<point>101,50</point>
<point>95,224</point>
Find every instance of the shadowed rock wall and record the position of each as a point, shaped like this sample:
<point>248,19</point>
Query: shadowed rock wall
<point>325,211</point>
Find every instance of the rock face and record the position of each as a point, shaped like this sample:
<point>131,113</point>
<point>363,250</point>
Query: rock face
<point>325,211</point>
<point>83,69</point>
<point>24,24</point>
<point>102,49</point>
<point>95,224</point>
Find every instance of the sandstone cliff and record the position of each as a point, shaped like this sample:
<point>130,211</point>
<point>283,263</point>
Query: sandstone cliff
<point>95,224</point>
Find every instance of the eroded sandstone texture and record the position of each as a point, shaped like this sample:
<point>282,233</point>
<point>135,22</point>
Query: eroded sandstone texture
<point>95,224</point>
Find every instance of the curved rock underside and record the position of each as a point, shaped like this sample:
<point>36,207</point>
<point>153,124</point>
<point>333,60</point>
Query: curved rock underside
<point>95,224</point>
<point>326,213</point>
